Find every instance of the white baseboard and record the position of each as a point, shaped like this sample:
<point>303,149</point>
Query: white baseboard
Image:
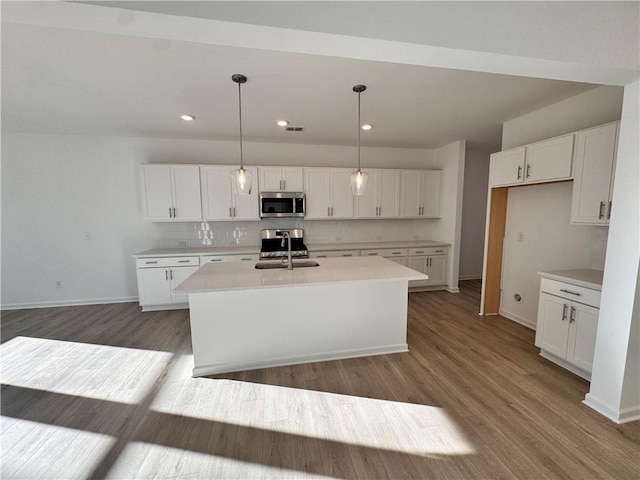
<point>298,359</point>
<point>516,318</point>
<point>453,290</point>
<point>625,415</point>
<point>470,277</point>
<point>67,303</point>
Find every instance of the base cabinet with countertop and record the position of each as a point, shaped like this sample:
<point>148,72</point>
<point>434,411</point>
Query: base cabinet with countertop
<point>157,277</point>
<point>568,319</point>
<point>431,261</point>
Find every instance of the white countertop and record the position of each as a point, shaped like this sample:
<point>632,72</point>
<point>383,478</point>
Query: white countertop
<point>186,251</point>
<point>583,277</point>
<point>313,247</point>
<point>243,275</point>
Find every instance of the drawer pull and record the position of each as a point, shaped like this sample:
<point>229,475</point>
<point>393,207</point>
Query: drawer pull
<point>321,256</point>
<point>215,260</point>
<point>184,261</point>
<point>246,259</point>
<point>150,263</point>
<point>570,292</point>
<point>419,251</point>
<point>396,253</point>
<point>372,254</point>
<point>439,251</point>
<point>348,255</point>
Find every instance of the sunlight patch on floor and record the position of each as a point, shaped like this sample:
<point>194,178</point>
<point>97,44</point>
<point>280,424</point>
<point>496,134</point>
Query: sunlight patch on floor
<point>381,424</point>
<point>143,460</point>
<point>70,452</point>
<point>103,372</point>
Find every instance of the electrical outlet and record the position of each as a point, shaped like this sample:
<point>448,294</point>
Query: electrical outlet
<point>182,243</point>
<point>521,236</point>
<point>58,283</point>
<point>88,236</point>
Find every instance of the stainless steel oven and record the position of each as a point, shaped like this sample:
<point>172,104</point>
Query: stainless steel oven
<point>282,204</point>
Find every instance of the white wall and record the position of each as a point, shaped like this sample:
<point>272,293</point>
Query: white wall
<point>615,390</point>
<point>537,216</point>
<point>55,188</point>
<point>451,159</point>
<point>541,214</point>
<point>474,211</point>
<point>593,107</point>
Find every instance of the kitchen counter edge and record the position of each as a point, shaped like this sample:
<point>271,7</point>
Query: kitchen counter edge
<point>245,249</point>
<point>582,277</point>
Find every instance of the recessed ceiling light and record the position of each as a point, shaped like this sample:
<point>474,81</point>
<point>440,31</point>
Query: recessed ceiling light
<point>282,123</point>
<point>367,126</point>
<point>187,118</point>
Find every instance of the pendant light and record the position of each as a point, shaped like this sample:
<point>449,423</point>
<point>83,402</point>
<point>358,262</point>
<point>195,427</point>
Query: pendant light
<point>243,178</point>
<point>359,178</point>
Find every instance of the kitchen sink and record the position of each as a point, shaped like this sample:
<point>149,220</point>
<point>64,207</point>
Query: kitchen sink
<point>270,265</point>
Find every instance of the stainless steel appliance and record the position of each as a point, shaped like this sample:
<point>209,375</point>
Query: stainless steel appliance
<point>275,245</point>
<point>282,204</point>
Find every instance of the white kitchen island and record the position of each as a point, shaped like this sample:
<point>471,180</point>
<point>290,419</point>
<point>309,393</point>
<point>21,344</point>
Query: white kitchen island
<point>243,318</point>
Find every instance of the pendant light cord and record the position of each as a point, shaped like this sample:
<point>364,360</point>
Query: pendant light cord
<point>358,131</point>
<point>240,117</point>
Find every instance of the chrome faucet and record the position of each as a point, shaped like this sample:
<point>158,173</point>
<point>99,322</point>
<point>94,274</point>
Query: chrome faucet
<point>286,236</point>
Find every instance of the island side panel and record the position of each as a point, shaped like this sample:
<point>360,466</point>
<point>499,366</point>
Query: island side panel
<point>248,329</point>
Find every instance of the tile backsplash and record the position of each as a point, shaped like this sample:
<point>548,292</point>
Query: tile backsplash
<point>219,234</point>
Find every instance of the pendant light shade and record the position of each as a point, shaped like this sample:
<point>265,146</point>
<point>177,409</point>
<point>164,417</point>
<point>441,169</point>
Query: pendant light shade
<point>243,178</point>
<point>359,178</point>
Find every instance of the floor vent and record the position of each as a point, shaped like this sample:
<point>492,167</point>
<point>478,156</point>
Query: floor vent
<point>295,129</point>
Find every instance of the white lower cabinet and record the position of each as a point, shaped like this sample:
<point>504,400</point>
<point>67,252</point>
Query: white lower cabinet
<point>157,277</point>
<point>431,261</point>
<point>245,257</point>
<point>567,325</point>
<point>334,253</point>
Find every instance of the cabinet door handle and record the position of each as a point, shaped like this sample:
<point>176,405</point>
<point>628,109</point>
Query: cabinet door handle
<point>234,211</point>
<point>528,170</point>
<point>609,213</point>
<point>174,212</point>
<point>380,211</point>
<point>572,315</point>
<point>570,292</point>
<point>519,171</point>
<point>169,212</point>
<point>230,212</point>
<point>332,211</point>
<point>564,311</point>
<point>601,211</point>
<point>166,274</point>
<point>171,274</point>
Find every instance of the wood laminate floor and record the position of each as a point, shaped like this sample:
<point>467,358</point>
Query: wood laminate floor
<point>106,392</point>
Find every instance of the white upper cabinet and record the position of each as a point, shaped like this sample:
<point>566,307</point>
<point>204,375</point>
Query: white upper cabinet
<point>171,193</point>
<point>421,193</point>
<point>382,199</point>
<point>506,168</point>
<point>328,193</point>
<point>281,179</point>
<point>594,165</point>
<point>546,161</point>
<point>549,160</point>
<point>220,200</point>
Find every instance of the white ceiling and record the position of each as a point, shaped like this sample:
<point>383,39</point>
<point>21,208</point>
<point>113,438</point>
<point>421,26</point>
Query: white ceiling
<point>70,81</point>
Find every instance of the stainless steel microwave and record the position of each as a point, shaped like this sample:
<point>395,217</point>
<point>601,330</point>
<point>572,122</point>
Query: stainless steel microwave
<point>281,204</point>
